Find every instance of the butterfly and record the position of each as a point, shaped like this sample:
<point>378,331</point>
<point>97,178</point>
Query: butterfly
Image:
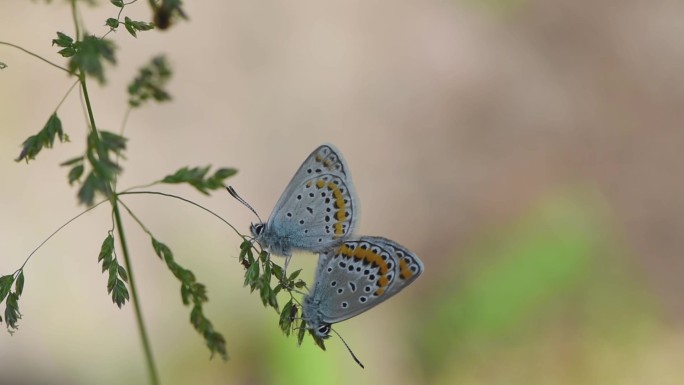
<point>316,212</point>
<point>354,277</point>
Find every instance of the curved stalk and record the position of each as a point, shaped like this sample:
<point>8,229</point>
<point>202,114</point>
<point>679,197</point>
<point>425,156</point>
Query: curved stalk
<point>151,367</point>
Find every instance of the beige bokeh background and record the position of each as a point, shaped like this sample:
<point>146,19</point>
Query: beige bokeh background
<point>479,135</point>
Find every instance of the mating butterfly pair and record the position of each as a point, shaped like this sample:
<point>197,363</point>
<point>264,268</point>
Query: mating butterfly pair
<point>317,212</point>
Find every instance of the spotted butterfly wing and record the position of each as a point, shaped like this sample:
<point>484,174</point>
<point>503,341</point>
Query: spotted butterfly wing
<point>359,275</point>
<point>317,210</point>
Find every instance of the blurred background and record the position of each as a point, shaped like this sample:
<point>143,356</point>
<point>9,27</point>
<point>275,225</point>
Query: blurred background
<point>530,152</point>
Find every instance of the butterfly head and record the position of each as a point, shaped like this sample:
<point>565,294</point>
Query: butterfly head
<point>257,229</point>
<point>322,330</point>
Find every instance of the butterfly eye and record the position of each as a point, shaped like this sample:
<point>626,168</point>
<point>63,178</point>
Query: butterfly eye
<point>323,330</point>
<point>257,229</point>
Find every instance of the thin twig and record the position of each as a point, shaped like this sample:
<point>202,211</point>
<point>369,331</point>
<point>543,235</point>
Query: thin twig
<point>37,56</point>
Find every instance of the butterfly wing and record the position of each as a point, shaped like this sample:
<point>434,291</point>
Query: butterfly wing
<point>318,208</point>
<point>361,274</point>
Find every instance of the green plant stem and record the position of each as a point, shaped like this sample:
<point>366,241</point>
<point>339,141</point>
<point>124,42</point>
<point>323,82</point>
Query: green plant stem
<point>152,369</point>
<point>91,116</point>
<point>74,15</point>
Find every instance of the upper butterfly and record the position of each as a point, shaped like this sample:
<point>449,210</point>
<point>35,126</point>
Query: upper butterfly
<point>317,210</point>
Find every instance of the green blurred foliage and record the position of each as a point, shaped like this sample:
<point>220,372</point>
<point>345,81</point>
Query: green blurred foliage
<point>539,302</point>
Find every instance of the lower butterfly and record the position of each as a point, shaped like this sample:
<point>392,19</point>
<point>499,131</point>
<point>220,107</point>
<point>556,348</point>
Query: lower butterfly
<point>354,277</point>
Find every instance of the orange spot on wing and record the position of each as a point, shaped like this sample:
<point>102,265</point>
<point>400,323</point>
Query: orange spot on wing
<point>405,272</point>
<point>383,281</point>
<point>339,230</point>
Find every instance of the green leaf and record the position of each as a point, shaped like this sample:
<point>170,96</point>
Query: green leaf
<point>107,248</point>
<point>75,173</point>
<point>103,146</point>
<point>72,161</point>
<point>117,3</point>
<point>251,275</point>
<point>120,293</point>
<point>5,286</point>
<point>185,294</point>
<point>112,142</point>
<point>67,52</point>
<point>267,273</point>
<point>123,274</point>
<point>112,23</point>
<point>12,314</point>
<point>199,293</point>
<point>63,40</point>
<point>217,180</point>
<point>2,67</point>
<point>193,176</point>
<point>278,272</point>
<point>198,320</point>
<point>224,173</point>
<point>162,251</point>
<point>285,319</point>
<point>129,27</point>
<point>216,343</point>
<point>294,274</point>
<point>150,83</point>
<point>133,26</point>
<point>265,293</point>
<point>196,177</point>
<point>19,285</point>
<point>86,194</point>
<point>273,300</point>
<point>90,54</point>
<point>44,138</point>
<point>302,333</point>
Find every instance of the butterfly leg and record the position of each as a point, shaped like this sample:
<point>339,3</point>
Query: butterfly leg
<point>287,262</point>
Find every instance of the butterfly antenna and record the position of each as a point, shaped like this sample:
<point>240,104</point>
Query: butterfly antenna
<point>235,195</point>
<point>349,349</point>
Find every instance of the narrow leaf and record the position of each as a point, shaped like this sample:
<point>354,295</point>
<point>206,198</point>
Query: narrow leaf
<point>75,173</point>
<point>302,333</point>
<point>123,274</point>
<point>12,314</point>
<point>72,161</point>
<point>19,285</point>
<point>5,286</point>
<point>285,321</point>
<point>294,274</point>
<point>107,248</point>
